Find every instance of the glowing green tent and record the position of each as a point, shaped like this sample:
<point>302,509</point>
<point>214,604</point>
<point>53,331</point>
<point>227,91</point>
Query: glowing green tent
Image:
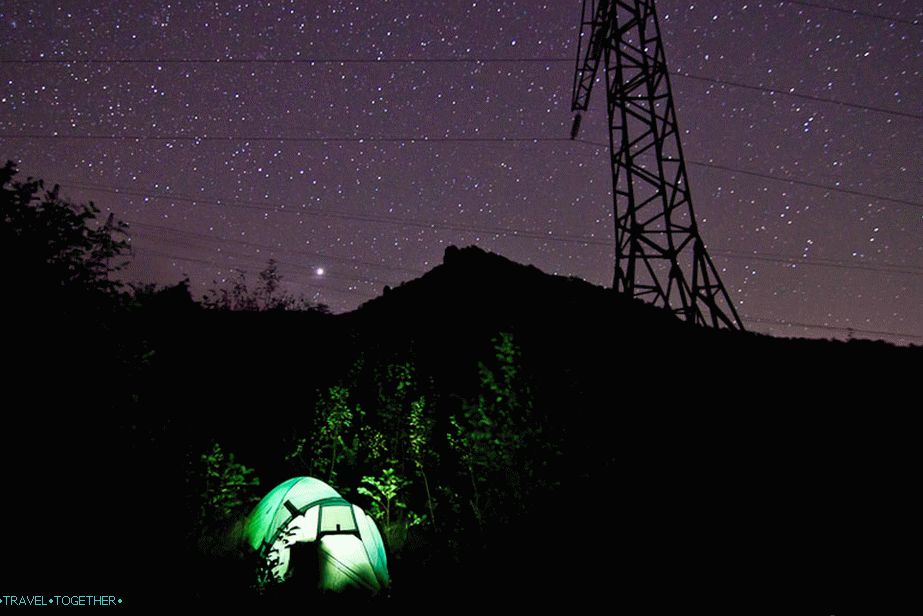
<point>304,515</point>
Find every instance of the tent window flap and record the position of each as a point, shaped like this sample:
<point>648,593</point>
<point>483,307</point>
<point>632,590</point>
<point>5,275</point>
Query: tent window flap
<point>336,519</point>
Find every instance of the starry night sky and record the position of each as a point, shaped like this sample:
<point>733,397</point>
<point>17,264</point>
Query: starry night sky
<point>254,151</point>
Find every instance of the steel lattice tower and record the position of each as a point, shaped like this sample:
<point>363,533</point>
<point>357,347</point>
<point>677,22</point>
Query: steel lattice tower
<point>659,255</point>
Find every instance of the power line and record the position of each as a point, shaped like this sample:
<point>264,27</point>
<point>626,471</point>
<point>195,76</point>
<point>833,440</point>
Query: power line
<point>832,327</point>
<point>280,209</point>
<point>309,61</point>
<point>281,138</point>
<point>891,268</point>
<point>414,140</point>
<point>315,285</point>
<point>793,94</point>
<point>780,258</point>
<point>878,266</point>
<point>853,12</point>
<point>777,178</point>
<point>885,268</point>
<point>411,61</point>
<point>189,244</point>
<point>846,191</point>
<point>315,255</point>
<point>435,140</point>
<point>429,224</point>
<point>873,332</point>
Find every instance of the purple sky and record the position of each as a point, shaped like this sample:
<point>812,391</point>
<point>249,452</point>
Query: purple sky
<point>375,213</point>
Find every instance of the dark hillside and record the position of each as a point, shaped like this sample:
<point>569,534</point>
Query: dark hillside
<point>675,464</point>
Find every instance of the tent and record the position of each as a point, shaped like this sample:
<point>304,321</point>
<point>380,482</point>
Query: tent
<point>302,515</point>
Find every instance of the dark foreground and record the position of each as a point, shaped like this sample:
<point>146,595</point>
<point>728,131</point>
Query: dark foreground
<point>690,469</point>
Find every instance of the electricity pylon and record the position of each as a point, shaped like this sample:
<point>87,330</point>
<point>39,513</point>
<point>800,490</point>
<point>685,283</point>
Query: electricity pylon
<point>659,255</point>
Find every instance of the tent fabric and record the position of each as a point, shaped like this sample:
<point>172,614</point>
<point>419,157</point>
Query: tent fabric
<point>350,548</point>
<point>344,563</point>
<point>271,514</point>
<point>374,546</point>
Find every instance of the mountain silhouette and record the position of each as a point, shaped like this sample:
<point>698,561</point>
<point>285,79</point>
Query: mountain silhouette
<point>710,463</point>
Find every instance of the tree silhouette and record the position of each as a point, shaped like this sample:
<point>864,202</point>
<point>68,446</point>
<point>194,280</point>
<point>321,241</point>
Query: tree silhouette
<point>267,295</point>
<point>55,253</point>
<point>492,435</point>
<point>334,442</point>
<point>225,491</point>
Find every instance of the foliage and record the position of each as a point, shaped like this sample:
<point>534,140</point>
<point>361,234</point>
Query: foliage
<point>383,453</point>
<point>408,427</point>
<point>374,444</point>
<point>388,506</point>
<point>335,441</point>
<point>420,433</point>
<point>267,295</point>
<point>395,384</point>
<point>228,488</point>
<point>402,455</point>
<point>383,490</point>
<point>491,434</point>
<point>53,251</point>
<point>420,437</point>
<point>163,298</point>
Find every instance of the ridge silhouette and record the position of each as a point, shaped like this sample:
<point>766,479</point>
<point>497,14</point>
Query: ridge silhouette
<point>789,477</point>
